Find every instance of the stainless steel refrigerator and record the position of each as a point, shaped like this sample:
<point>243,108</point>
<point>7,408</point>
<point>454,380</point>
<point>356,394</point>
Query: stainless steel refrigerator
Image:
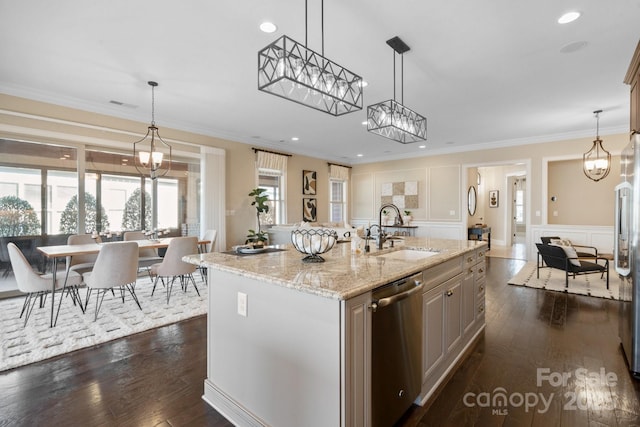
<point>627,252</point>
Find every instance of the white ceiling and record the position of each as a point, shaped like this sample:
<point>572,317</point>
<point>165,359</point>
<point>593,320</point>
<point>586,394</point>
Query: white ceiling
<point>484,73</point>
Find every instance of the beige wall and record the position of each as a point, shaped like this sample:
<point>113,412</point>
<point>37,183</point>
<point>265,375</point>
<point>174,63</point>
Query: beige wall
<point>442,175</point>
<point>501,160</point>
<point>578,200</point>
<point>23,119</point>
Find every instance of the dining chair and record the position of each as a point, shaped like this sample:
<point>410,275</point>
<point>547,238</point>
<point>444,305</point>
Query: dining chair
<point>116,267</point>
<point>146,256</point>
<point>82,263</point>
<point>39,285</point>
<point>173,267</point>
<point>209,235</point>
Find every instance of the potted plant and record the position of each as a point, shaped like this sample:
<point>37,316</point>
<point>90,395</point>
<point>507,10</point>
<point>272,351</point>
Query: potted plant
<point>258,237</point>
<point>406,218</point>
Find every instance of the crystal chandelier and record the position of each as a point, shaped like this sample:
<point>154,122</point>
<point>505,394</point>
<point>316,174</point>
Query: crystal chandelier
<point>292,71</point>
<point>596,163</point>
<point>151,154</point>
<point>391,119</point>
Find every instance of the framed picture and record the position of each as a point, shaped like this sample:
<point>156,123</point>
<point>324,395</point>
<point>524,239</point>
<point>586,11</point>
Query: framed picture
<point>309,183</point>
<point>494,199</point>
<point>309,210</point>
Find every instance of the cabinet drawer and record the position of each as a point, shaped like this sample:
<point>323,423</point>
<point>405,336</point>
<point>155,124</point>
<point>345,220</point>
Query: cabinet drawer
<point>480,309</point>
<point>480,254</point>
<point>480,270</point>
<point>469,259</point>
<point>434,276</point>
<point>480,289</point>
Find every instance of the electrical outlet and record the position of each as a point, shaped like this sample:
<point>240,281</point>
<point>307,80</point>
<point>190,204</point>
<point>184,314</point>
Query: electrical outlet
<point>242,304</point>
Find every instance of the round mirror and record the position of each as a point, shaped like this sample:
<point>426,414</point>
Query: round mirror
<point>472,200</point>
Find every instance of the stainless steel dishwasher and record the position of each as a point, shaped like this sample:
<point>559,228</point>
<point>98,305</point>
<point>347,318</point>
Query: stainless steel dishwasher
<point>396,349</point>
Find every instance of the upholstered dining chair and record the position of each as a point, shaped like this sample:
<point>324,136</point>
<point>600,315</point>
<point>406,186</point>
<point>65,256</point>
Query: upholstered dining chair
<point>115,267</point>
<point>146,256</point>
<point>173,267</point>
<point>39,285</point>
<point>82,263</point>
<point>209,235</point>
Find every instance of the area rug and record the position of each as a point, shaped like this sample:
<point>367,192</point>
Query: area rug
<point>552,279</point>
<point>21,345</point>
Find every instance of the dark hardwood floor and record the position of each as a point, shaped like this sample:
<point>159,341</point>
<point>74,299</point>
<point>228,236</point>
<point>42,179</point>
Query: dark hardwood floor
<point>156,377</point>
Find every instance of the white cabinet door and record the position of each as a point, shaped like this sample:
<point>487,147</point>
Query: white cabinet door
<point>433,331</point>
<point>357,362</point>
<point>468,300</point>
<point>452,310</point>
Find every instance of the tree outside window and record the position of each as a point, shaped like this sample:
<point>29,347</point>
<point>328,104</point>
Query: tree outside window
<point>69,218</point>
<point>132,209</point>
<point>17,218</point>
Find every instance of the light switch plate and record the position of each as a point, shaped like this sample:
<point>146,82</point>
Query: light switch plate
<point>242,304</point>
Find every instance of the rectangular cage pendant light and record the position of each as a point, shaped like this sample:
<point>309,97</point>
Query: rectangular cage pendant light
<point>393,120</point>
<point>290,70</point>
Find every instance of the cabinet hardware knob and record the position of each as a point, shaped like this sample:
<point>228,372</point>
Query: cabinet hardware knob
<point>480,309</point>
<point>481,270</point>
<point>481,288</point>
<point>469,259</point>
<point>471,270</point>
<point>449,292</point>
<point>373,307</point>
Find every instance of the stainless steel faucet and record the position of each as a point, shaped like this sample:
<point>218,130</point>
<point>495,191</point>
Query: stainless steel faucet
<point>381,236</point>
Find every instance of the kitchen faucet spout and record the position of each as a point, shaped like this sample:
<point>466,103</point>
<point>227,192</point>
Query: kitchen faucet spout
<point>381,236</point>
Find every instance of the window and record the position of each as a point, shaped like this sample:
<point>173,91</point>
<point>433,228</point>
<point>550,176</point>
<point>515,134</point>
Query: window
<point>271,170</point>
<point>276,214</point>
<point>337,200</point>
<point>338,180</point>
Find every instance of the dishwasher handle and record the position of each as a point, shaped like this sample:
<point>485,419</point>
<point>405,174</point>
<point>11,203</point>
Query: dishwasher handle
<point>383,302</point>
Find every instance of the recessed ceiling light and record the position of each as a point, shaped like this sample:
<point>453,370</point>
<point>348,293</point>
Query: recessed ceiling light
<point>295,138</point>
<point>359,155</point>
<point>268,27</point>
<point>568,17</point>
<point>364,83</point>
<point>422,146</point>
<point>364,123</point>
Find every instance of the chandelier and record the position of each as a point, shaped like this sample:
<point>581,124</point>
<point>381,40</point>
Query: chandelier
<point>291,70</point>
<point>596,162</point>
<point>391,119</point>
<point>149,152</point>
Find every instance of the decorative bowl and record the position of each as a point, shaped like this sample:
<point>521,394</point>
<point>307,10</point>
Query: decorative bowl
<point>313,242</point>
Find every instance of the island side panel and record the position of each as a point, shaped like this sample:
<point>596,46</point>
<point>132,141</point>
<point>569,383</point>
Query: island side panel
<point>279,365</point>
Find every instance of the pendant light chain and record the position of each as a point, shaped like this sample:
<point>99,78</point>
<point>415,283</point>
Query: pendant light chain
<point>153,105</point>
<point>322,24</point>
<point>402,78</point>
<point>394,74</point>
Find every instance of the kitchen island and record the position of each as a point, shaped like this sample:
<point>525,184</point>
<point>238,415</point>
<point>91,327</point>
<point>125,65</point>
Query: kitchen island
<point>289,343</point>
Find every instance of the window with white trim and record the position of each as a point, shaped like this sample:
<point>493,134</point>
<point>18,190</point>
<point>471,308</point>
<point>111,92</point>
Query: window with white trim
<point>271,171</point>
<point>338,181</point>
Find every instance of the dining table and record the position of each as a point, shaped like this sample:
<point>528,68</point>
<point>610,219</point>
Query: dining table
<point>54,253</point>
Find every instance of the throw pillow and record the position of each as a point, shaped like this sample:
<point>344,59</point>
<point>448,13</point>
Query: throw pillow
<point>569,252</point>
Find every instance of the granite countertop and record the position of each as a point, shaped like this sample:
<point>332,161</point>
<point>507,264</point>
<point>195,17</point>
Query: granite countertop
<point>342,275</point>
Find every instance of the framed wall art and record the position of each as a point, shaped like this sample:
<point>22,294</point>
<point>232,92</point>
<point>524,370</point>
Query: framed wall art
<point>309,183</point>
<point>494,199</point>
<point>309,210</point>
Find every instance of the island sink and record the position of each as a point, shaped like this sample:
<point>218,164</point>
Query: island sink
<point>408,254</point>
